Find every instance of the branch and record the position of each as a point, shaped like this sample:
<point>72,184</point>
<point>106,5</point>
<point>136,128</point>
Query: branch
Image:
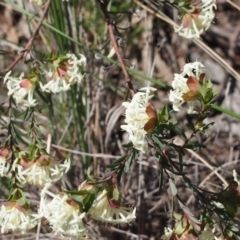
<point>30,42</point>
<point>103,6</point>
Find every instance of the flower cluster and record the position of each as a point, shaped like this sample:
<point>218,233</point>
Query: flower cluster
<point>176,233</point>
<point>4,164</point>
<point>185,86</point>
<point>110,211</point>
<point>32,166</point>
<point>20,88</point>
<point>14,217</point>
<point>198,19</point>
<point>64,74</point>
<point>65,211</point>
<point>63,214</point>
<point>140,117</point>
<point>42,170</point>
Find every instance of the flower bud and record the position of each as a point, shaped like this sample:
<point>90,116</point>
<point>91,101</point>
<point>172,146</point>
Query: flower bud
<point>27,84</point>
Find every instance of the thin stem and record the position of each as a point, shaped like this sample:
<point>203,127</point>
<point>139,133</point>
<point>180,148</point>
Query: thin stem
<point>208,165</point>
<point>103,6</point>
<point>31,40</point>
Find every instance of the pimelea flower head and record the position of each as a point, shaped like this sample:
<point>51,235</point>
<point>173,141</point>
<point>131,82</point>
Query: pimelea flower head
<point>41,170</point>
<point>186,86</point>
<point>140,116</point>
<point>108,208</point>
<point>64,73</point>
<point>14,217</point>
<point>20,88</point>
<point>198,19</point>
<point>4,164</point>
<point>64,214</point>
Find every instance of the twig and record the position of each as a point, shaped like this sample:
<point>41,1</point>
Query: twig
<point>103,6</point>
<point>233,4</point>
<point>210,175</point>
<point>198,42</point>
<point>30,42</point>
<point>208,165</point>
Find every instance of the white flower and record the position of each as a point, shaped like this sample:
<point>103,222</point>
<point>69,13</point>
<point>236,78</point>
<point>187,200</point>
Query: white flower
<point>63,214</point>
<point>20,88</point>
<point>180,87</point>
<point>4,164</point>
<point>137,117</point>
<point>42,171</point>
<point>65,74</point>
<point>17,218</point>
<point>101,210</point>
<point>197,21</point>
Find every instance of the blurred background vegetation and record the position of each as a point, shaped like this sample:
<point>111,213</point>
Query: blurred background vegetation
<point>84,123</point>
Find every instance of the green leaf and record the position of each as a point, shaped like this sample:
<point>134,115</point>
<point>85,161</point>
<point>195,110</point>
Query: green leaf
<point>202,128</point>
<point>163,115</point>
<point>226,111</point>
<point>209,96</point>
<point>206,235</point>
<point>156,139</point>
<point>76,192</point>
<point>179,131</point>
<point>208,83</point>
<point>88,201</point>
<point>178,216</point>
<point>117,162</point>
<point>77,198</point>
<point>128,163</point>
<point>229,233</point>
<point>230,209</point>
<point>58,17</point>
<point>128,145</point>
<point>21,201</point>
<point>179,228</point>
<point>234,228</point>
<point>116,194</point>
<point>27,114</point>
<point>188,212</point>
<point>237,237</point>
